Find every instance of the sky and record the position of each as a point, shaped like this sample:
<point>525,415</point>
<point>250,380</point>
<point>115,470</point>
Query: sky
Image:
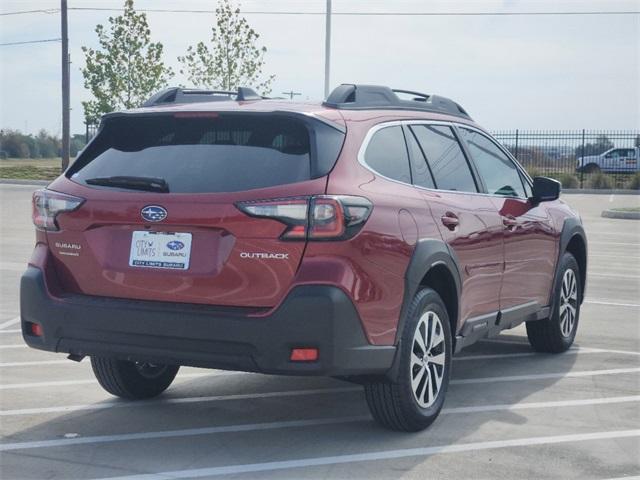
<point>508,72</point>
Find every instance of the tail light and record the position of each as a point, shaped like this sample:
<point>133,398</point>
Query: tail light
<point>324,217</point>
<point>48,204</point>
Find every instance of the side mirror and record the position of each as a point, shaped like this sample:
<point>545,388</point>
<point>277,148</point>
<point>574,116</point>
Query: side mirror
<point>546,189</point>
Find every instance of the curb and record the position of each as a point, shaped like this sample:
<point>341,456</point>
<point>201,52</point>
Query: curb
<point>19,181</point>
<point>621,214</point>
<point>596,191</point>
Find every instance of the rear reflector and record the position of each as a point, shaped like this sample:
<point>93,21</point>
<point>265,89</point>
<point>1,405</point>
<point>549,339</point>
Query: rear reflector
<point>34,329</point>
<point>304,355</point>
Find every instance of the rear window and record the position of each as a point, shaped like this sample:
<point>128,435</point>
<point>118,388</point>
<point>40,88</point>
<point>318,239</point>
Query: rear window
<point>217,153</point>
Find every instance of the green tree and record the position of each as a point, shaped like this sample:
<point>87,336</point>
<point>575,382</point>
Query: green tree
<point>126,69</point>
<point>232,59</point>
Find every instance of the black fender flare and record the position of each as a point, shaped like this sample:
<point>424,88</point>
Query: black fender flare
<point>427,254</point>
<point>571,228</point>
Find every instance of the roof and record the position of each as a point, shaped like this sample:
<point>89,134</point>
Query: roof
<point>332,111</point>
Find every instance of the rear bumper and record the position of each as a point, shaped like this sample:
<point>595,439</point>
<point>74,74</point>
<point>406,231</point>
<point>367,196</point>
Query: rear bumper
<point>312,316</point>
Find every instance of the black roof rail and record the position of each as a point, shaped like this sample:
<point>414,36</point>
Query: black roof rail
<point>194,95</point>
<point>365,97</point>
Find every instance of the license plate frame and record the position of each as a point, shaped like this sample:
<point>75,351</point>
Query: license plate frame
<point>163,250</point>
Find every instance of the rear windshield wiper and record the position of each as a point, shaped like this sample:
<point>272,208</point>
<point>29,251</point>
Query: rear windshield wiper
<point>148,184</point>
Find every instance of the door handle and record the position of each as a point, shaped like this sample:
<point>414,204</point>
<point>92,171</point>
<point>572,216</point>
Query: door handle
<point>510,222</point>
<point>450,220</point>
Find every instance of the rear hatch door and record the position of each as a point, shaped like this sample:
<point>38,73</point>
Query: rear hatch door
<point>160,220</point>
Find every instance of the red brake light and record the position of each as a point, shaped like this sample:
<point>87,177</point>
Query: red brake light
<point>48,204</point>
<point>322,217</point>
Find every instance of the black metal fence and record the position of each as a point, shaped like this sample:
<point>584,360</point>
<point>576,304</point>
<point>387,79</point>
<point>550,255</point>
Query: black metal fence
<point>578,158</point>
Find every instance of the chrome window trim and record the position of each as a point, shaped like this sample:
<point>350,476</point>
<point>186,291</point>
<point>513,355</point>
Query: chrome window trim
<point>408,123</point>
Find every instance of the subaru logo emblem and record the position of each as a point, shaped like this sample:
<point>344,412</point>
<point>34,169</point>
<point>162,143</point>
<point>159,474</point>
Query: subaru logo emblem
<point>153,213</point>
<point>175,245</point>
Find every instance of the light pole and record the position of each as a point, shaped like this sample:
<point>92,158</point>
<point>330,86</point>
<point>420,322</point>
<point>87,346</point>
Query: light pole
<point>327,50</point>
<point>65,84</point>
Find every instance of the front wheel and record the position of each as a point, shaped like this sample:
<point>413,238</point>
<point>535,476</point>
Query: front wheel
<point>133,380</point>
<point>557,333</point>
<point>414,400</point>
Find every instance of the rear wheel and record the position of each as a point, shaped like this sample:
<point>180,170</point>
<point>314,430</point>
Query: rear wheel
<point>133,380</point>
<point>414,400</point>
<point>557,333</point>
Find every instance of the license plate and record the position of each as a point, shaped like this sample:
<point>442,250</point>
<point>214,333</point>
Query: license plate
<point>160,250</point>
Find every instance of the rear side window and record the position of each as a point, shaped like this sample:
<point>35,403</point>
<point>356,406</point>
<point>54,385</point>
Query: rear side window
<point>217,153</point>
<point>445,157</point>
<point>500,174</point>
<point>387,154</point>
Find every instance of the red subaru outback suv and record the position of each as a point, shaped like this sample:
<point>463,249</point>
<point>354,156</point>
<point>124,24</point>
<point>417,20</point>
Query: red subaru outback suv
<point>368,238</point>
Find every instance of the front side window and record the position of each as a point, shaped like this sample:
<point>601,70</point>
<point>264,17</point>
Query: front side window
<point>387,154</point>
<point>500,174</point>
<point>445,157</point>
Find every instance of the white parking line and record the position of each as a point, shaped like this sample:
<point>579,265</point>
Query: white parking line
<point>92,381</point>
<point>571,351</point>
<point>63,442</point>
<point>379,455</point>
<point>591,233</point>
<point>614,304</point>
<point>8,323</point>
<point>613,275</point>
<point>17,345</point>
<point>16,330</point>
<point>542,376</point>
<point>37,363</point>
<point>615,243</point>
<point>292,393</point>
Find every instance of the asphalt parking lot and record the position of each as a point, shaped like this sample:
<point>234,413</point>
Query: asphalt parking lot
<point>510,413</point>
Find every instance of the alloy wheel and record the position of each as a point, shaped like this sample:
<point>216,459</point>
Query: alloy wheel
<point>428,359</point>
<point>568,302</point>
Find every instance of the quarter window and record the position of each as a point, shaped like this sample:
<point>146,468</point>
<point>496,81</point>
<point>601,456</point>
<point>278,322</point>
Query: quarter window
<point>445,157</point>
<point>387,154</point>
<point>498,171</point>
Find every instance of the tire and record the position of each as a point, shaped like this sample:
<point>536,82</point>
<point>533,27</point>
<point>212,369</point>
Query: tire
<point>132,380</point>
<point>557,333</point>
<point>592,168</point>
<point>395,405</point>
